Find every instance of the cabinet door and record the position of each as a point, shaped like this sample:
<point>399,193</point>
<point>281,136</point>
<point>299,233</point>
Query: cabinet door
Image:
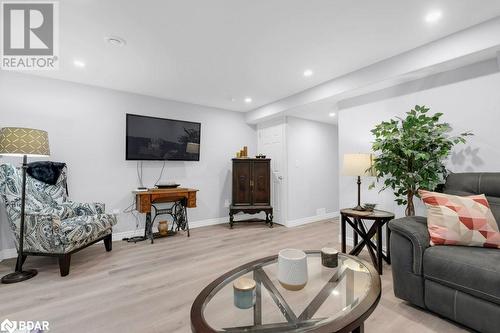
<point>261,183</point>
<point>241,183</point>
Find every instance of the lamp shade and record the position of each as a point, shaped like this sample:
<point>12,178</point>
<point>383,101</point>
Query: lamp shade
<point>24,141</point>
<point>358,165</point>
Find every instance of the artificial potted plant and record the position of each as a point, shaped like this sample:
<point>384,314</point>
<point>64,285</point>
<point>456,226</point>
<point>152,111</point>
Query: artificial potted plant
<point>410,153</point>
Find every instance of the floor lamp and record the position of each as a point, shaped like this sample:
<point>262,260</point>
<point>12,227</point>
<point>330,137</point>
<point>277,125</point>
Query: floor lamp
<point>16,141</point>
<point>358,165</point>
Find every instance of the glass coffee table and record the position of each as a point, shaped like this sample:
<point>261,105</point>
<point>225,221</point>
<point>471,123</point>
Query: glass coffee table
<point>334,299</point>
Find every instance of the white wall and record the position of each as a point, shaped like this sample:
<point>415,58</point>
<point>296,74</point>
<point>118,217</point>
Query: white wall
<point>467,105</point>
<point>86,128</point>
<point>312,154</point>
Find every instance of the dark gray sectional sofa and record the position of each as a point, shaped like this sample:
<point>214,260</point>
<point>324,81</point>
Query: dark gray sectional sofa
<point>457,282</point>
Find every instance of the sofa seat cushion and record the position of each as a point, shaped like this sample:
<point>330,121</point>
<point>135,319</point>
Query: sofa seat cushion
<point>86,228</point>
<point>475,271</point>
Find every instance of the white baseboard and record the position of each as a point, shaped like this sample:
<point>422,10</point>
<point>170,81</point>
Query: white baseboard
<point>311,219</point>
<point>207,222</point>
<point>118,236</point>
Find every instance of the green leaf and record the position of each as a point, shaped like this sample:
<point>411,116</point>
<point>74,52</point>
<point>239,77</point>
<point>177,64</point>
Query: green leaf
<point>411,151</point>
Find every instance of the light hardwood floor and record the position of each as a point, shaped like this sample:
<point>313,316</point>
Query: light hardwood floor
<point>150,288</point>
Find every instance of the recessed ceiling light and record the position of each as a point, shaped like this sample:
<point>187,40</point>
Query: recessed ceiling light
<point>332,114</point>
<point>79,63</point>
<point>308,72</point>
<point>115,41</point>
<point>433,16</point>
<point>248,100</point>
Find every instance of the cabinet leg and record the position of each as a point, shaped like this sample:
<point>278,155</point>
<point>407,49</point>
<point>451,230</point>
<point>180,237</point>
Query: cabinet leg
<point>231,220</point>
<point>270,220</point>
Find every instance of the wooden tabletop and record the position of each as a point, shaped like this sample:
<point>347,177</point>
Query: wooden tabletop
<point>165,190</point>
<point>371,215</point>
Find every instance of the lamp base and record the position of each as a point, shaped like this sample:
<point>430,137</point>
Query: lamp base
<point>19,276</point>
<point>359,208</point>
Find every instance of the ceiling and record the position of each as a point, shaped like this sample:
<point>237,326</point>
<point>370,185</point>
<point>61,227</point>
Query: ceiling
<point>326,110</point>
<point>218,52</point>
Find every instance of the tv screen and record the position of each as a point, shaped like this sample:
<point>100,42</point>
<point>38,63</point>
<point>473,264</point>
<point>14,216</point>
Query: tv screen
<point>150,138</point>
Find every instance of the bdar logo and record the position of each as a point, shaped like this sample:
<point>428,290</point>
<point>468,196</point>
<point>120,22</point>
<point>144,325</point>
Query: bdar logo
<point>8,326</point>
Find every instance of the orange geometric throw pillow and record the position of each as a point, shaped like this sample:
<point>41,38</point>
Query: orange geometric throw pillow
<point>455,220</point>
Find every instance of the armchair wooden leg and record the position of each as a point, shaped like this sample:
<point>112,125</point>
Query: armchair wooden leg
<point>64,262</point>
<point>108,243</point>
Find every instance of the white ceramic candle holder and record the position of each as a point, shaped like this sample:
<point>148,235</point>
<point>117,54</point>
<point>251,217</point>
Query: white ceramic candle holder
<point>292,269</point>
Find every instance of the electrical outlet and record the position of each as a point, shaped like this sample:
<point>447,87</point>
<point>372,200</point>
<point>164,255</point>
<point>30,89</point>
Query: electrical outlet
<point>226,203</point>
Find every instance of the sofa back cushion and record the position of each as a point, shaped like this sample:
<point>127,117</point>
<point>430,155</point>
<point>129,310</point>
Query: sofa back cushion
<point>464,184</point>
<point>456,220</point>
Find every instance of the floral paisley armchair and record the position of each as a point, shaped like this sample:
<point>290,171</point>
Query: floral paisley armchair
<point>54,225</point>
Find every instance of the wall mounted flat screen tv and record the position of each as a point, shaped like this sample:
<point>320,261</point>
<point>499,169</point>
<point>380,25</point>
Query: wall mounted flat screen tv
<point>160,139</point>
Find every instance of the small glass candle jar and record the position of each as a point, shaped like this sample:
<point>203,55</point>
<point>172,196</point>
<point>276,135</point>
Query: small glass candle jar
<point>329,257</point>
<point>244,293</point>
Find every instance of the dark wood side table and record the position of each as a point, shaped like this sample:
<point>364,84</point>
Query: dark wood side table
<point>355,219</point>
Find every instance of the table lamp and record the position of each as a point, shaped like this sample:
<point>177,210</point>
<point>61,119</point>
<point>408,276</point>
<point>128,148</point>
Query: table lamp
<point>358,165</point>
<point>17,141</point>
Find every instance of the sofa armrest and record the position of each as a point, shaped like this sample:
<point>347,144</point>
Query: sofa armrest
<point>41,233</point>
<point>82,209</point>
<point>86,228</point>
<point>414,229</point>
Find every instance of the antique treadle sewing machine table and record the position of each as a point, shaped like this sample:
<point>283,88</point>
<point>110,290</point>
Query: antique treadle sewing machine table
<point>145,201</point>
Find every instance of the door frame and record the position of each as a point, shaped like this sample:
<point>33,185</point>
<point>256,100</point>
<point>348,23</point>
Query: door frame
<point>283,197</point>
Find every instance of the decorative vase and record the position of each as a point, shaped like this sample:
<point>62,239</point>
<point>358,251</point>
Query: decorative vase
<point>292,269</point>
<point>163,228</point>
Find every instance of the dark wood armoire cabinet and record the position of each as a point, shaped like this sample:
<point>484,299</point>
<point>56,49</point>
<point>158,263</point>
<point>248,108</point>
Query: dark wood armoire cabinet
<point>251,188</point>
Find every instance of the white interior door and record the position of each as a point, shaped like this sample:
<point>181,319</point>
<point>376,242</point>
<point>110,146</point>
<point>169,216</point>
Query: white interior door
<point>272,143</point>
